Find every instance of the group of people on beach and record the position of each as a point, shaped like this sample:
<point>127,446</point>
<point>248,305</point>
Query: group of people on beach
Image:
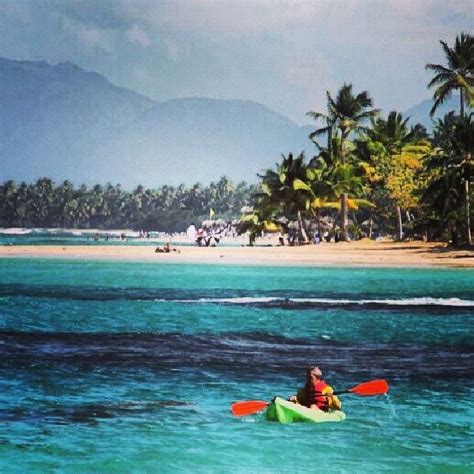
<point>206,237</point>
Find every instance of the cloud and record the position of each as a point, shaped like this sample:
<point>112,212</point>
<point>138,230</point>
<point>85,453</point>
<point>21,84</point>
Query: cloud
<point>224,17</point>
<point>103,14</point>
<point>90,37</point>
<point>172,49</point>
<point>283,53</point>
<point>139,36</point>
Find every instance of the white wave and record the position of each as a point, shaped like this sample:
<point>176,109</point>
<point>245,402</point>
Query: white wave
<point>422,301</point>
<point>248,300</point>
<point>15,231</point>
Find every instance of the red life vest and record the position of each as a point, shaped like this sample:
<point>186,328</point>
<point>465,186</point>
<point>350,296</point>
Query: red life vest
<point>313,395</point>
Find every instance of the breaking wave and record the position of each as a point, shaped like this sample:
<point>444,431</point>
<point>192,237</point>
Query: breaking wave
<point>320,302</point>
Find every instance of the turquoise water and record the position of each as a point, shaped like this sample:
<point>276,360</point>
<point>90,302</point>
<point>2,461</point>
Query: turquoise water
<point>120,367</point>
<point>46,238</point>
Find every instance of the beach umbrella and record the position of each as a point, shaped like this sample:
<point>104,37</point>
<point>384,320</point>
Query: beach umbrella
<point>271,227</point>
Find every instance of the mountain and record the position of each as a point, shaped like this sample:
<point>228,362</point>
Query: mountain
<point>66,123</point>
<point>189,140</point>
<point>420,113</point>
<point>53,117</point>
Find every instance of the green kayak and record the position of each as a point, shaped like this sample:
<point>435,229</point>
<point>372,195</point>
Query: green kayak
<point>289,412</point>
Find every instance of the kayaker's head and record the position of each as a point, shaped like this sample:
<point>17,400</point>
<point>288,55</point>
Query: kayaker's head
<point>314,373</point>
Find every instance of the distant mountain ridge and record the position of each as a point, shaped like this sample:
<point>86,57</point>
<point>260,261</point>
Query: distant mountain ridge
<point>66,123</point>
<point>420,113</point>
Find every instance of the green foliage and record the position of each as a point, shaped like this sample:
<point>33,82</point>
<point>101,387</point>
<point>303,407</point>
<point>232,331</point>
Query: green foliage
<point>346,114</point>
<point>285,189</point>
<point>457,75</point>
<point>168,209</point>
<point>448,172</point>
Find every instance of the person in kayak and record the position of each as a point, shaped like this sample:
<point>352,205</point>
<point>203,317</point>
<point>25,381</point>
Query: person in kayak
<point>316,393</point>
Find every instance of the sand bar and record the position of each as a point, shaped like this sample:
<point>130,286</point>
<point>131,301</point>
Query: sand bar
<point>355,254</point>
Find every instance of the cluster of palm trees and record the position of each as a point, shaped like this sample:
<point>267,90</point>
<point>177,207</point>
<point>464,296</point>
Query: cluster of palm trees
<point>381,169</point>
<point>169,209</point>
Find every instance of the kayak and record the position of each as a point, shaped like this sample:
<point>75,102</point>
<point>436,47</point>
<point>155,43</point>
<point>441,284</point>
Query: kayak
<point>288,412</point>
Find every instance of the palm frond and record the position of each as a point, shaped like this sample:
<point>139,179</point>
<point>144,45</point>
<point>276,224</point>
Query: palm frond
<point>442,78</point>
<point>319,131</point>
<point>441,94</point>
<point>438,68</point>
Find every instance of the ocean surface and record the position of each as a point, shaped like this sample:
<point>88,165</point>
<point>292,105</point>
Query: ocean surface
<point>50,237</point>
<point>122,367</point>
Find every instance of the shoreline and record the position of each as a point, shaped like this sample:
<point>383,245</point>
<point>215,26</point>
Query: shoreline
<point>343,254</point>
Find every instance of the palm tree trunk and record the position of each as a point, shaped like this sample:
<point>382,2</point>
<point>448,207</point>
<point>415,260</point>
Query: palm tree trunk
<point>399,223</point>
<point>344,216</point>
<point>317,218</point>
<point>467,210</point>
<point>303,236</point>
<point>252,237</point>
<point>461,98</point>
<point>443,215</point>
<point>344,206</point>
<point>371,226</point>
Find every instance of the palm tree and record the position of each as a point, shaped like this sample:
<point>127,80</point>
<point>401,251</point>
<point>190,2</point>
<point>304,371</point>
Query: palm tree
<point>392,133</point>
<point>452,163</point>
<point>382,147</point>
<point>345,115</point>
<point>457,75</point>
<point>282,190</point>
<point>463,146</point>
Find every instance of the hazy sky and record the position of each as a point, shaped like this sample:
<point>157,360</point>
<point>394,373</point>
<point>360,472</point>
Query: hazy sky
<point>283,54</point>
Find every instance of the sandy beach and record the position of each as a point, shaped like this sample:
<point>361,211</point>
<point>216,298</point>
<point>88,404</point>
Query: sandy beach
<point>361,253</point>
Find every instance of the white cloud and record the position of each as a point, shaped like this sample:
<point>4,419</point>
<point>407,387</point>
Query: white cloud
<point>96,38</point>
<point>284,53</point>
<point>225,17</point>
<point>172,49</point>
<point>139,36</point>
<point>90,38</point>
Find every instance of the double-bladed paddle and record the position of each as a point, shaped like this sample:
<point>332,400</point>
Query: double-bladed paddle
<point>366,389</point>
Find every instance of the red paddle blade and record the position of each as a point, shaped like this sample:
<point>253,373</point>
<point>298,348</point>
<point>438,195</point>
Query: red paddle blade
<point>248,407</point>
<point>375,387</point>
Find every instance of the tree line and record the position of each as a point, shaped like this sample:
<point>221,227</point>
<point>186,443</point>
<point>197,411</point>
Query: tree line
<point>383,173</point>
<point>168,208</point>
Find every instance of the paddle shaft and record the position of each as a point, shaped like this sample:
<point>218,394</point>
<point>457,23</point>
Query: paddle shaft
<point>366,389</point>
<point>340,392</point>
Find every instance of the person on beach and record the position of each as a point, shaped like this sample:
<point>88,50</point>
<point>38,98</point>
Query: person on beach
<point>201,235</point>
<point>316,393</point>
<point>191,232</point>
<point>166,249</point>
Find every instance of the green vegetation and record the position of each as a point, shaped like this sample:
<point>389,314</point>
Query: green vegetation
<point>345,115</point>
<point>458,75</point>
<point>387,177</point>
<point>170,209</point>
